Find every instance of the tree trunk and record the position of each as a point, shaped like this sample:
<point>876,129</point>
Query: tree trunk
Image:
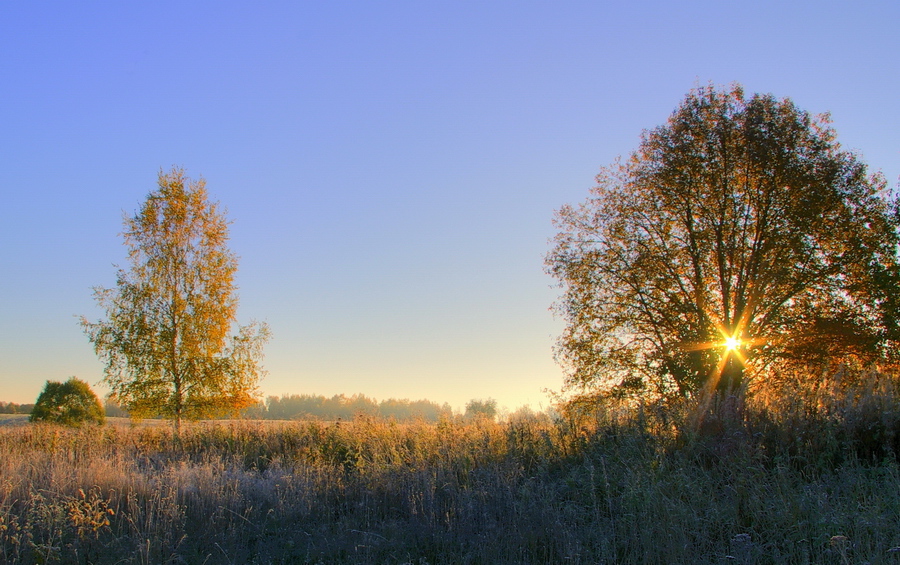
<point>732,377</point>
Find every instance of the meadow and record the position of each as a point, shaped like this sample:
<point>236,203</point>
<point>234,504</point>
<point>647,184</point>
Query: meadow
<point>810,478</point>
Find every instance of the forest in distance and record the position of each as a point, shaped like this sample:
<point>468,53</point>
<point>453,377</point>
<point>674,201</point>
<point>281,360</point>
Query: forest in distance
<point>14,408</point>
<point>319,407</point>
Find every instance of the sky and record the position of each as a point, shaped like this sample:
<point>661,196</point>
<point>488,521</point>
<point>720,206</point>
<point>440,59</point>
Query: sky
<point>391,168</point>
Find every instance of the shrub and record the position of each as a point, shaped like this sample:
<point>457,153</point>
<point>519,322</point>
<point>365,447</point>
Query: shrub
<point>71,403</point>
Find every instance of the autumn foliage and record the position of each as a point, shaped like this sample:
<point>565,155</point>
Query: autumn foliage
<point>737,239</point>
<point>169,341</point>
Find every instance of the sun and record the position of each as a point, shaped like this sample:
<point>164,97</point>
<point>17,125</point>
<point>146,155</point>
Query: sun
<point>731,343</point>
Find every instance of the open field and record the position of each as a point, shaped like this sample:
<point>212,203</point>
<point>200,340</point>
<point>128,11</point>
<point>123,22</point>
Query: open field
<point>18,420</point>
<point>8,420</point>
<point>592,489</point>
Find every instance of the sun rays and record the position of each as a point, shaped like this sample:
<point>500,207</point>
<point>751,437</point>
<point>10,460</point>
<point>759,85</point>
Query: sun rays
<point>734,344</point>
<point>731,343</point>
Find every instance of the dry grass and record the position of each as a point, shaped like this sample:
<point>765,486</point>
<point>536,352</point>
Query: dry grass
<point>591,489</point>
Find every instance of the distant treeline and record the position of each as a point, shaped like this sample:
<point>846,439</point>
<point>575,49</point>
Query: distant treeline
<point>318,407</point>
<point>13,408</point>
<point>341,407</point>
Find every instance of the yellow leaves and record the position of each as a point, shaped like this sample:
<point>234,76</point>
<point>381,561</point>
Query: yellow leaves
<point>89,513</point>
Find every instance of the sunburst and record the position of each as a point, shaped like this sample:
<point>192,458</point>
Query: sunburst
<point>731,343</point>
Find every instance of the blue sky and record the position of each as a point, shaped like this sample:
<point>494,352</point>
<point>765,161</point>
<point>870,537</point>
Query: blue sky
<point>391,168</point>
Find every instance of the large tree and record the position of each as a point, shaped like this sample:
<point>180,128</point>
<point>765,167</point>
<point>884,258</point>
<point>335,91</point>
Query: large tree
<point>738,234</point>
<point>167,338</point>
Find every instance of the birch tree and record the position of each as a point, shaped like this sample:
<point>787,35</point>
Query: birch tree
<point>169,341</point>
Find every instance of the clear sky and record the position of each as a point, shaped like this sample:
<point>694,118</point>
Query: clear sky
<point>391,168</point>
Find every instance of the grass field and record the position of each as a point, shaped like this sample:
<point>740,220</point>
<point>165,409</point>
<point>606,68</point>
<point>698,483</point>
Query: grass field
<point>13,419</point>
<point>793,486</point>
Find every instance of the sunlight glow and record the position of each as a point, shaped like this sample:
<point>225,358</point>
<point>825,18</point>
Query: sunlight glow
<point>735,345</point>
<point>732,343</point>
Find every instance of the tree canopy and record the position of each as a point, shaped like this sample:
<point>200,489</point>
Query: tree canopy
<point>71,403</point>
<point>13,408</point>
<point>478,408</point>
<point>166,338</point>
<point>738,235</point>
<point>339,406</point>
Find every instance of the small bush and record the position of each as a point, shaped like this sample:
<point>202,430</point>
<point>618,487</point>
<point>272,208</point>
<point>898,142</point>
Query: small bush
<point>71,403</point>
